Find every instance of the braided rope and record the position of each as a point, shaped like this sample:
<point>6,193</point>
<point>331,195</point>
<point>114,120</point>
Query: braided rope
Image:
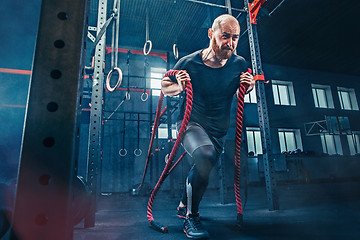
<point>239,120</point>
<point>189,99</point>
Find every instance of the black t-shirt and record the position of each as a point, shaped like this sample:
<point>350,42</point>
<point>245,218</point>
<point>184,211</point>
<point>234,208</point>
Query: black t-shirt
<point>213,91</point>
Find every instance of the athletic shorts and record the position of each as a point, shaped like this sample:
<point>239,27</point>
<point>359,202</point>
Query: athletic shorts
<point>195,136</point>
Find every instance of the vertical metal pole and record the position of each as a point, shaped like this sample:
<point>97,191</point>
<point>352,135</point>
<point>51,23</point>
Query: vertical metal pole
<point>95,128</point>
<point>228,5</point>
<point>150,128</point>
<point>270,178</point>
<point>50,137</point>
<point>223,189</point>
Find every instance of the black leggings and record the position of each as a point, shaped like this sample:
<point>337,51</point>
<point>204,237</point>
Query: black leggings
<point>204,154</point>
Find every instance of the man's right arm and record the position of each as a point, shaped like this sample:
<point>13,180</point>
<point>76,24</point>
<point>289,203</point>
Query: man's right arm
<point>171,88</point>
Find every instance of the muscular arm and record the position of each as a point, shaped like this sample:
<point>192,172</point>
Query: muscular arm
<point>171,88</point>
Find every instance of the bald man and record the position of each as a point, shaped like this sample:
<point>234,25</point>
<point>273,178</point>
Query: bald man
<point>215,73</point>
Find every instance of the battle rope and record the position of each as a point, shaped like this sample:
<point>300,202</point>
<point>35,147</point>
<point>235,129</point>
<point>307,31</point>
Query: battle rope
<point>189,98</point>
<point>239,121</point>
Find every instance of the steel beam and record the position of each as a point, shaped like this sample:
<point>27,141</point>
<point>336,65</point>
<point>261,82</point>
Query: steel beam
<point>95,126</point>
<point>222,178</point>
<point>50,137</point>
<point>228,6</point>
<point>169,110</point>
<point>270,178</point>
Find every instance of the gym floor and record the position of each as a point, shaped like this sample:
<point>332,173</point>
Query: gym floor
<point>307,211</point>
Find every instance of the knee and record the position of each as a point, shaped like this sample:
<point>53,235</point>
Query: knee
<point>205,158</point>
<point>206,153</point>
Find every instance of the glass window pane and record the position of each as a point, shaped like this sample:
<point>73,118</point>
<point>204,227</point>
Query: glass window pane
<point>155,84</point>
<point>247,98</point>
<point>315,97</point>
<point>163,133</point>
<point>357,143</point>
<point>250,141</point>
<point>282,142</point>
<point>351,143</point>
<point>340,99</point>
<point>345,96</point>
<point>258,142</point>
<point>156,92</point>
<point>253,96</point>
<point>330,144</point>
<point>276,94</point>
<point>338,144</point>
<point>284,95</point>
<point>174,133</point>
<point>323,143</point>
<point>156,75</point>
<point>290,141</point>
<point>322,98</point>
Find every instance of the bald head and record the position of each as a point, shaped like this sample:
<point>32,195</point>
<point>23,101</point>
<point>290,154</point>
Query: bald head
<point>224,19</point>
<point>224,36</point>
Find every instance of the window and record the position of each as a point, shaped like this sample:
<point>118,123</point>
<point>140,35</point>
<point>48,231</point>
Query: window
<point>254,140</point>
<point>331,144</point>
<point>251,97</point>
<point>347,99</point>
<point>338,124</point>
<point>156,75</point>
<point>163,131</point>
<point>354,143</point>
<point>289,139</point>
<point>283,93</point>
<point>322,96</point>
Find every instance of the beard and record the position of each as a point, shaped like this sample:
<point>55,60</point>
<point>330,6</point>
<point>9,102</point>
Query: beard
<point>223,52</point>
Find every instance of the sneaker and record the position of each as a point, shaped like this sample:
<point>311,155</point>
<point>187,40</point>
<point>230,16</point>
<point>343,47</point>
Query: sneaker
<point>181,212</point>
<point>193,227</point>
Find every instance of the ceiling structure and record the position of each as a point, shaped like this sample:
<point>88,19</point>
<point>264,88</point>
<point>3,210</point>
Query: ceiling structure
<point>310,34</point>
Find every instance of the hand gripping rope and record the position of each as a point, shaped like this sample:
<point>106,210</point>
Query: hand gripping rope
<point>240,108</point>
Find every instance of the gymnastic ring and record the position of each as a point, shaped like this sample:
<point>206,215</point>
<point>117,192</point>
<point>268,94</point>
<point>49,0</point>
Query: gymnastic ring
<point>108,87</point>
<point>150,47</point>
<point>122,152</point>
<point>137,152</point>
<point>175,51</point>
<point>144,98</point>
<point>127,95</point>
